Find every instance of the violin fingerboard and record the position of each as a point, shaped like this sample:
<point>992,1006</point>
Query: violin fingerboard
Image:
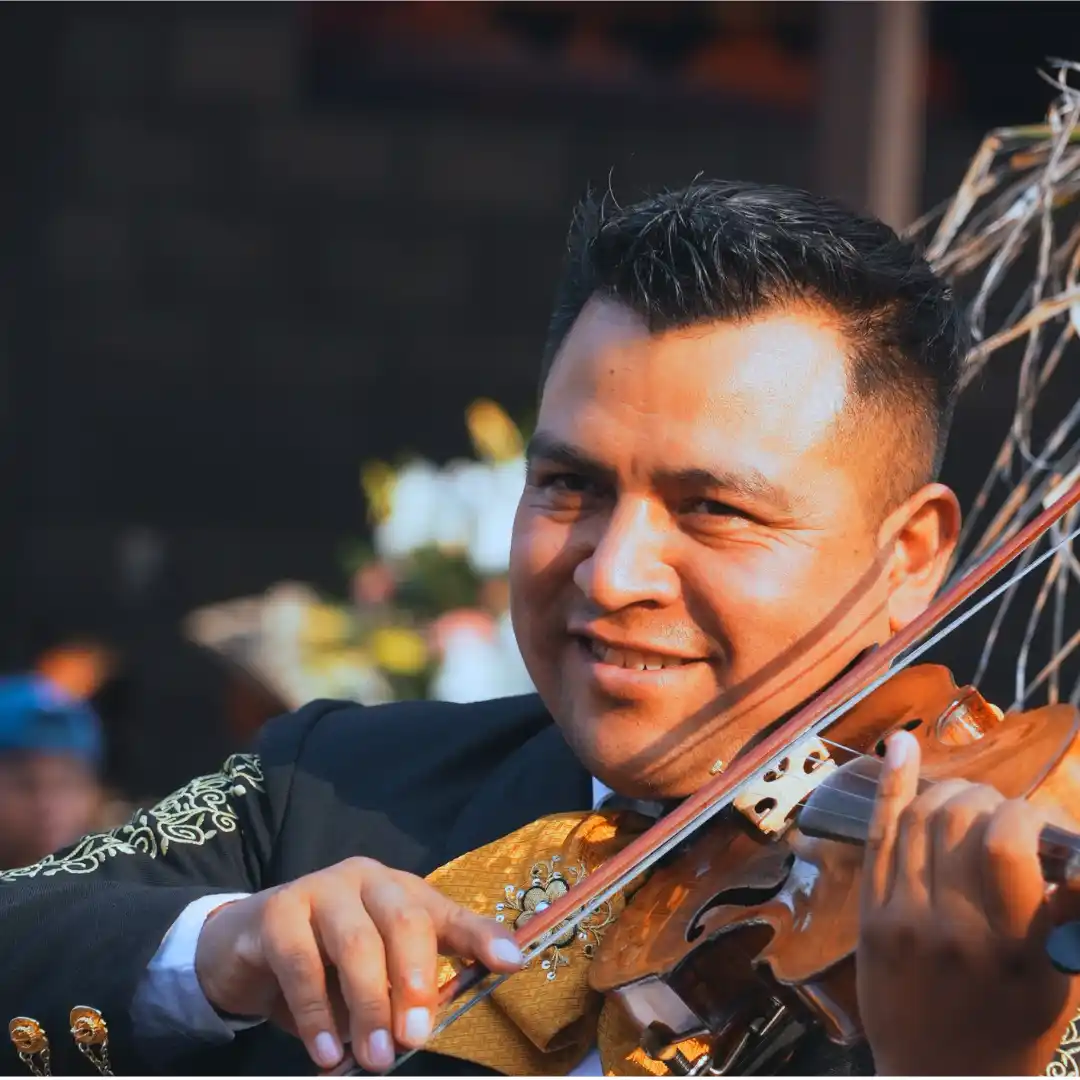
<point>840,807</point>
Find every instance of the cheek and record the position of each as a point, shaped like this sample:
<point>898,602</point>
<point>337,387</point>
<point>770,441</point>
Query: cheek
<point>751,578</point>
<point>541,568</point>
<point>769,597</point>
<point>540,552</point>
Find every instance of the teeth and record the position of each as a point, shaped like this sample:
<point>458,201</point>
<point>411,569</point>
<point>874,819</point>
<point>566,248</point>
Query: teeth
<point>634,660</point>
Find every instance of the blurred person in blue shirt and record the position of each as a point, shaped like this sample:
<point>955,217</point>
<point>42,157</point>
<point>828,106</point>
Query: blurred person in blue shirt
<point>51,752</point>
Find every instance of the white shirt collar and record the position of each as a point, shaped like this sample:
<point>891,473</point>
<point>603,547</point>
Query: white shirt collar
<point>600,793</point>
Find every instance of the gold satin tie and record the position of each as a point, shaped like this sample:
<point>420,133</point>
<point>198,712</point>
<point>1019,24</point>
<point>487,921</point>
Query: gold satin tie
<point>544,1020</point>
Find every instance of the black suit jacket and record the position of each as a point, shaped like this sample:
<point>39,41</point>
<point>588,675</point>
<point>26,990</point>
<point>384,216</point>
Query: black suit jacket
<point>412,785</point>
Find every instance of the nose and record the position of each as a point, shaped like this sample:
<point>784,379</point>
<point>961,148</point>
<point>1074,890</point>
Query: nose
<point>629,564</point>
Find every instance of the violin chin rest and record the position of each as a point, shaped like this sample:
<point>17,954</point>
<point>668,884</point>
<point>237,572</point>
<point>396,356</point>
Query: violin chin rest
<point>1063,948</point>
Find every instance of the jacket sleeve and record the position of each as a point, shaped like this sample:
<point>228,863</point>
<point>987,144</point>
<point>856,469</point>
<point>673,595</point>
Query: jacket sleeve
<point>80,927</point>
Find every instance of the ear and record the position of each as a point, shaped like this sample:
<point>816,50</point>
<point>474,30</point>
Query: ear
<point>922,534</point>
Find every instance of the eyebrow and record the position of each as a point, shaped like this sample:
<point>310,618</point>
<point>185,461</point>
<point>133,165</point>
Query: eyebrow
<point>750,484</point>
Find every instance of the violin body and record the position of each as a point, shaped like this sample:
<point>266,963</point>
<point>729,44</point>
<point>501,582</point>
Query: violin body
<point>741,930</point>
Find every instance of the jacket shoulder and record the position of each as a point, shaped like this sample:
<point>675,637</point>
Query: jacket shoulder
<point>336,728</point>
<point>388,781</point>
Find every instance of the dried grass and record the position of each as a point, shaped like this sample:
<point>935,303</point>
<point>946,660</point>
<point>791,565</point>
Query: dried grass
<point>1017,203</point>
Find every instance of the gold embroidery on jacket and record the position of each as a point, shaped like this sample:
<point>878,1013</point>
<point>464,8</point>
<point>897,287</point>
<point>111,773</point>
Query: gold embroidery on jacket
<point>1067,1058</point>
<point>194,814</point>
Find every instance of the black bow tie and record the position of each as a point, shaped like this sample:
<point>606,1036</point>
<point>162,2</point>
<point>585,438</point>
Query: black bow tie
<point>650,808</point>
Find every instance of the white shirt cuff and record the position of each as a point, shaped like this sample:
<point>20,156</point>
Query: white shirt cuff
<point>169,1000</point>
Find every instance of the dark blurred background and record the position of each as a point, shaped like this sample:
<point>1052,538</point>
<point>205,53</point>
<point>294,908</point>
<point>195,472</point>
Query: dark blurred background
<point>246,247</point>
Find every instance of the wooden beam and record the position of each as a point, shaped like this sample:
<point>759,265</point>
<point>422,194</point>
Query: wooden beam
<point>872,108</point>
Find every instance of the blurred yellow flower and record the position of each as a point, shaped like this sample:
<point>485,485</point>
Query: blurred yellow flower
<point>494,435</point>
<point>330,660</point>
<point>325,625</point>
<point>378,480</point>
<point>399,651</point>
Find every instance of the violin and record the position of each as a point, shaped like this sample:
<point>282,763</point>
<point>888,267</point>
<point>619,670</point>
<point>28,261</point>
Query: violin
<point>742,936</point>
<point>747,937</point>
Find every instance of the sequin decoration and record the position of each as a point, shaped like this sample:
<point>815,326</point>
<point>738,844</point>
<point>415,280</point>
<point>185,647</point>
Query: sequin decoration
<point>548,882</point>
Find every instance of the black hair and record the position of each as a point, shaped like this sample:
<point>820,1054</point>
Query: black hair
<point>722,250</point>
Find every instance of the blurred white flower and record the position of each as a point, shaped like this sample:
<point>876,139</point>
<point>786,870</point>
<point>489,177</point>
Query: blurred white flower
<point>411,522</point>
<point>515,677</point>
<point>479,659</point>
<point>489,547</point>
<point>461,491</point>
<point>468,669</point>
<point>469,506</point>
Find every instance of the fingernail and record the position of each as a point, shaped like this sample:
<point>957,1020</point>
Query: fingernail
<point>898,749</point>
<point>506,951</point>
<point>417,1025</point>
<point>380,1049</point>
<point>327,1049</point>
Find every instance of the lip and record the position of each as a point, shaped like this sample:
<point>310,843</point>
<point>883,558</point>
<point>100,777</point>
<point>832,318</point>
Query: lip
<point>645,647</point>
<point>616,681</point>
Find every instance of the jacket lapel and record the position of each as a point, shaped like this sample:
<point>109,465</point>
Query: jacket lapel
<point>542,777</point>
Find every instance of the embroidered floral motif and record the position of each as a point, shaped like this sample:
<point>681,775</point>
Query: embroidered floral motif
<point>548,884</point>
<point>194,814</point>
<point>1067,1058</point>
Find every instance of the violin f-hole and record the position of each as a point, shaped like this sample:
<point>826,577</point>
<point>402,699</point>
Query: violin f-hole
<point>740,896</point>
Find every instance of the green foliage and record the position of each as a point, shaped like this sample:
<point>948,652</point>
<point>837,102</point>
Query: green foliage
<point>436,582</point>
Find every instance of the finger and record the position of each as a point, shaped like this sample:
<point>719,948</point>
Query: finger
<point>897,786</point>
<point>295,959</point>
<point>412,958</point>
<point>912,857</point>
<point>464,933</point>
<point>279,1014</point>
<point>354,946</point>
<point>957,851</point>
<point>1014,891</point>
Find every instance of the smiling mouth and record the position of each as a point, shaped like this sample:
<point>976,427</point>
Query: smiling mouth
<point>632,661</point>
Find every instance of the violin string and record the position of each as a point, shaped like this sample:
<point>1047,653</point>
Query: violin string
<point>841,746</point>
<point>859,755</point>
<point>854,775</point>
<point>858,818</point>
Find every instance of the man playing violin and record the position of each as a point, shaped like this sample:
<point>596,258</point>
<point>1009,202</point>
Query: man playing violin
<point>731,494</point>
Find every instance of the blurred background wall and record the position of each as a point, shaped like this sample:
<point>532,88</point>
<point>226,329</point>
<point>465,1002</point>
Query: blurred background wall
<point>247,247</point>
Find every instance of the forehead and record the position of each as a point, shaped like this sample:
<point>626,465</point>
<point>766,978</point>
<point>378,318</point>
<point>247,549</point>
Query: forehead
<point>768,391</point>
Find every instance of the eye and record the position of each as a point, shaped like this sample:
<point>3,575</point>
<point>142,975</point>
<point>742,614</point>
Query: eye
<point>713,508</point>
<point>563,483</point>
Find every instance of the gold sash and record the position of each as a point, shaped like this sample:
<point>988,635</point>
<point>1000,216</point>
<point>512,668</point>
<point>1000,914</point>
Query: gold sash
<point>544,1020</point>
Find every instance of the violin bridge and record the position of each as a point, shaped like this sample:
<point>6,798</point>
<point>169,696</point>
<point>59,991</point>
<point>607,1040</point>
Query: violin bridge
<point>769,800</point>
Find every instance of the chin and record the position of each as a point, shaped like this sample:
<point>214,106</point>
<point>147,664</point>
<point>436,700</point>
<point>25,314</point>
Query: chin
<point>629,770</point>
<point>657,786</point>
